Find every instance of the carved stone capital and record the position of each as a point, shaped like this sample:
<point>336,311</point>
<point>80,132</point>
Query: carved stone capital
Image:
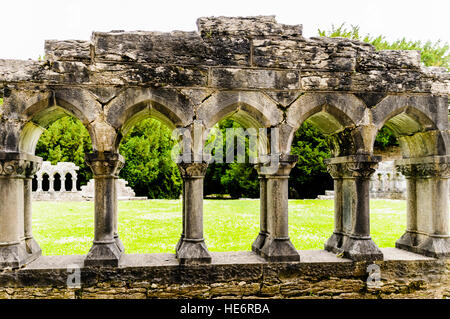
<point>437,166</point>
<point>276,165</point>
<point>32,167</point>
<point>408,170</point>
<point>106,164</point>
<point>360,169</point>
<point>13,168</point>
<point>352,166</point>
<point>18,165</point>
<point>193,170</point>
<point>433,170</point>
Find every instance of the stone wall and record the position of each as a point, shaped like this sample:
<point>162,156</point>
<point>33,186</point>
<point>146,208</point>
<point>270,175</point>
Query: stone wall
<point>262,74</point>
<point>319,274</point>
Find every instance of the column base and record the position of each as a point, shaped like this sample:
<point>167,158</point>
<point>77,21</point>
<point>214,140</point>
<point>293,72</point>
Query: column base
<point>436,247</point>
<point>259,242</point>
<point>119,244</point>
<point>178,245</point>
<point>334,243</point>
<point>103,254</point>
<point>33,249</point>
<point>279,250</point>
<point>407,241</point>
<point>14,256</point>
<point>354,248</point>
<point>192,252</point>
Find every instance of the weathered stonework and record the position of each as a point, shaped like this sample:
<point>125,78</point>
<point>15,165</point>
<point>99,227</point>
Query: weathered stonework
<point>242,275</point>
<point>262,74</point>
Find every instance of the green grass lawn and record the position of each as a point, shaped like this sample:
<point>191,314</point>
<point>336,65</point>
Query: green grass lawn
<point>67,228</point>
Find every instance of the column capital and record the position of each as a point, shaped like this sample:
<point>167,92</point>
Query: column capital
<point>425,167</point>
<point>18,165</point>
<point>276,165</point>
<point>106,164</point>
<point>361,166</point>
<point>32,168</point>
<point>193,170</point>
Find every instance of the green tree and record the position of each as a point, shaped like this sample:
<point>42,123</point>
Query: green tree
<point>149,168</point>
<point>309,177</point>
<point>66,140</point>
<point>432,53</point>
<point>235,179</point>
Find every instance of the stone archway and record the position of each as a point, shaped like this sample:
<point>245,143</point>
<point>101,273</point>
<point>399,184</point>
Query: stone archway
<point>260,71</point>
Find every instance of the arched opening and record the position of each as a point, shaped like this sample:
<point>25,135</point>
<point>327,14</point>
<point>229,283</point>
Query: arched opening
<point>45,182</point>
<point>34,184</point>
<point>323,134</point>
<point>232,186</point>
<point>146,142</point>
<point>57,182</point>
<point>56,136</point>
<point>68,182</point>
<point>406,133</point>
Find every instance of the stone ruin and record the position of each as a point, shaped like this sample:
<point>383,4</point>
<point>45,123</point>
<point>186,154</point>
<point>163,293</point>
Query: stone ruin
<point>64,171</point>
<point>264,75</point>
<point>387,182</point>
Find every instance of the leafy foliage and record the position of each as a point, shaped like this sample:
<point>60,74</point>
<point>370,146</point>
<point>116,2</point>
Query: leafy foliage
<point>149,168</point>
<point>385,138</point>
<point>307,179</point>
<point>309,176</point>
<point>66,140</point>
<point>235,179</point>
<point>151,172</point>
<point>432,53</point>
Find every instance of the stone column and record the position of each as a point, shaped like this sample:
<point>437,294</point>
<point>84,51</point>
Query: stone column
<point>13,253</point>
<point>192,248</point>
<point>183,216</point>
<point>277,244</point>
<point>32,247</point>
<point>351,235</point>
<point>427,223</point>
<point>51,178</point>
<point>63,183</point>
<point>74,182</point>
<point>106,249</point>
<point>263,234</point>
<point>39,183</point>
<point>116,209</point>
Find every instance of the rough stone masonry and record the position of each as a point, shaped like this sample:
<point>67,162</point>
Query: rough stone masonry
<point>262,74</point>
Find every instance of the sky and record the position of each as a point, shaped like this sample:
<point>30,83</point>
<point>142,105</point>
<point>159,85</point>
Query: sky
<point>26,25</point>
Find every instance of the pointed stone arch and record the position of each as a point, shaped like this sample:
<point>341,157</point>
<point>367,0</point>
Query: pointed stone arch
<point>331,113</point>
<point>135,104</point>
<point>419,122</point>
<point>53,106</point>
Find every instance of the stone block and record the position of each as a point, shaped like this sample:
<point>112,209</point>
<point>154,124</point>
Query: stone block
<point>69,50</point>
<point>255,79</point>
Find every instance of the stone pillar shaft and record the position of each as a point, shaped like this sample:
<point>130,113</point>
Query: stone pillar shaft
<point>106,249</point>
<point>351,235</point>
<point>32,246</point>
<point>74,183</point>
<point>191,248</point>
<point>262,236</point>
<point>277,245</point>
<point>63,184</point>
<point>427,206</point>
<point>39,183</point>
<point>51,179</point>
<point>15,210</point>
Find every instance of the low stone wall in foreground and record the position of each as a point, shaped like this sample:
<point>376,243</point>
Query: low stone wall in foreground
<point>319,274</point>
